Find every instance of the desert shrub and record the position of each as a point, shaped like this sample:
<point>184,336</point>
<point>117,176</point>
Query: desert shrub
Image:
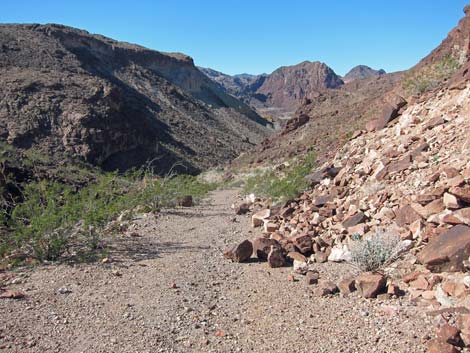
<point>418,82</point>
<point>281,186</point>
<point>375,251</point>
<point>54,218</point>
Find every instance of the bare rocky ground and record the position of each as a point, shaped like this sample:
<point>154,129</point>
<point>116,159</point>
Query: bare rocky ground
<point>171,290</point>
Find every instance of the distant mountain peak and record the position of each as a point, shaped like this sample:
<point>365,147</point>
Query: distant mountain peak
<point>361,72</point>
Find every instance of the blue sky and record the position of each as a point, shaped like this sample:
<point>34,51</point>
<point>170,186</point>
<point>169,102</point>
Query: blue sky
<point>260,35</point>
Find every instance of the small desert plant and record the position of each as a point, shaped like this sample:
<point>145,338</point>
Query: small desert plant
<point>375,251</point>
<point>281,186</point>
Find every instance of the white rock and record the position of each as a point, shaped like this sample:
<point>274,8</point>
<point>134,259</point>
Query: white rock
<point>339,254</point>
<point>466,281</point>
<point>250,198</point>
<point>300,267</point>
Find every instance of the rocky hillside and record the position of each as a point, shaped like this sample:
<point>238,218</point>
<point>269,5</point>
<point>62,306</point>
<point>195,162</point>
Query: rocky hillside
<point>324,122</point>
<point>361,72</point>
<point>66,92</point>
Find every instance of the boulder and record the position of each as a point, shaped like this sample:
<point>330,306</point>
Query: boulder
<point>312,278</point>
<point>303,243</point>
<point>370,284</point>
<point>436,346</point>
<point>406,215</point>
<point>447,251</point>
<point>449,334</point>
<point>276,257</point>
<point>390,111</point>
<point>262,247</point>
<point>270,227</point>
<point>327,288</point>
<point>296,256</point>
<point>347,285</point>
<point>462,193</point>
<point>240,252</point>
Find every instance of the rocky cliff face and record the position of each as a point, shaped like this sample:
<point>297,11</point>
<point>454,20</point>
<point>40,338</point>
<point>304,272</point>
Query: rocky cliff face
<point>361,72</point>
<point>115,105</point>
<point>288,86</point>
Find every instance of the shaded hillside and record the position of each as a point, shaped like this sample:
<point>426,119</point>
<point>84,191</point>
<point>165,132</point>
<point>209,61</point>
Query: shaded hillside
<point>66,92</point>
<point>361,72</point>
<point>242,86</point>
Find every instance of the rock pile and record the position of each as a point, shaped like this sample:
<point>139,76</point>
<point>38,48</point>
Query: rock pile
<point>411,179</point>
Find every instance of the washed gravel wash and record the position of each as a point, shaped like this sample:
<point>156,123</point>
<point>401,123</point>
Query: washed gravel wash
<point>171,290</point>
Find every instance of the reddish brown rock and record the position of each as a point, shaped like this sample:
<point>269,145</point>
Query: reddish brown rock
<point>276,257</point>
<point>447,251</point>
<point>293,255</point>
<point>312,278</point>
<point>240,252</point>
<point>347,285</point>
<point>450,172</point>
<point>358,218</point>
<point>406,215</point>
<point>400,165</point>
<point>461,216</point>
<point>303,243</point>
<point>270,227</point>
<point>462,193</point>
<point>436,346</point>
<point>435,207</point>
<point>424,199</point>
<point>420,283</point>
<point>412,276</point>
<point>327,288</point>
<point>389,113</point>
<point>370,284</point>
<point>449,334</point>
<point>262,247</point>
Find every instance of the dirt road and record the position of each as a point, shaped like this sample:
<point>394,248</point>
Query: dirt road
<point>171,290</point>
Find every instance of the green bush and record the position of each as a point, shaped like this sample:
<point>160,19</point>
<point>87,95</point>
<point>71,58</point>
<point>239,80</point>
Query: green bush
<point>54,218</point>
<point>424,80</point>
<point>282,186</point>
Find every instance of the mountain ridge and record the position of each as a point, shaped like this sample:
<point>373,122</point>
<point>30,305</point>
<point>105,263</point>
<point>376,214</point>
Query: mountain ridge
<point>114,104</point>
